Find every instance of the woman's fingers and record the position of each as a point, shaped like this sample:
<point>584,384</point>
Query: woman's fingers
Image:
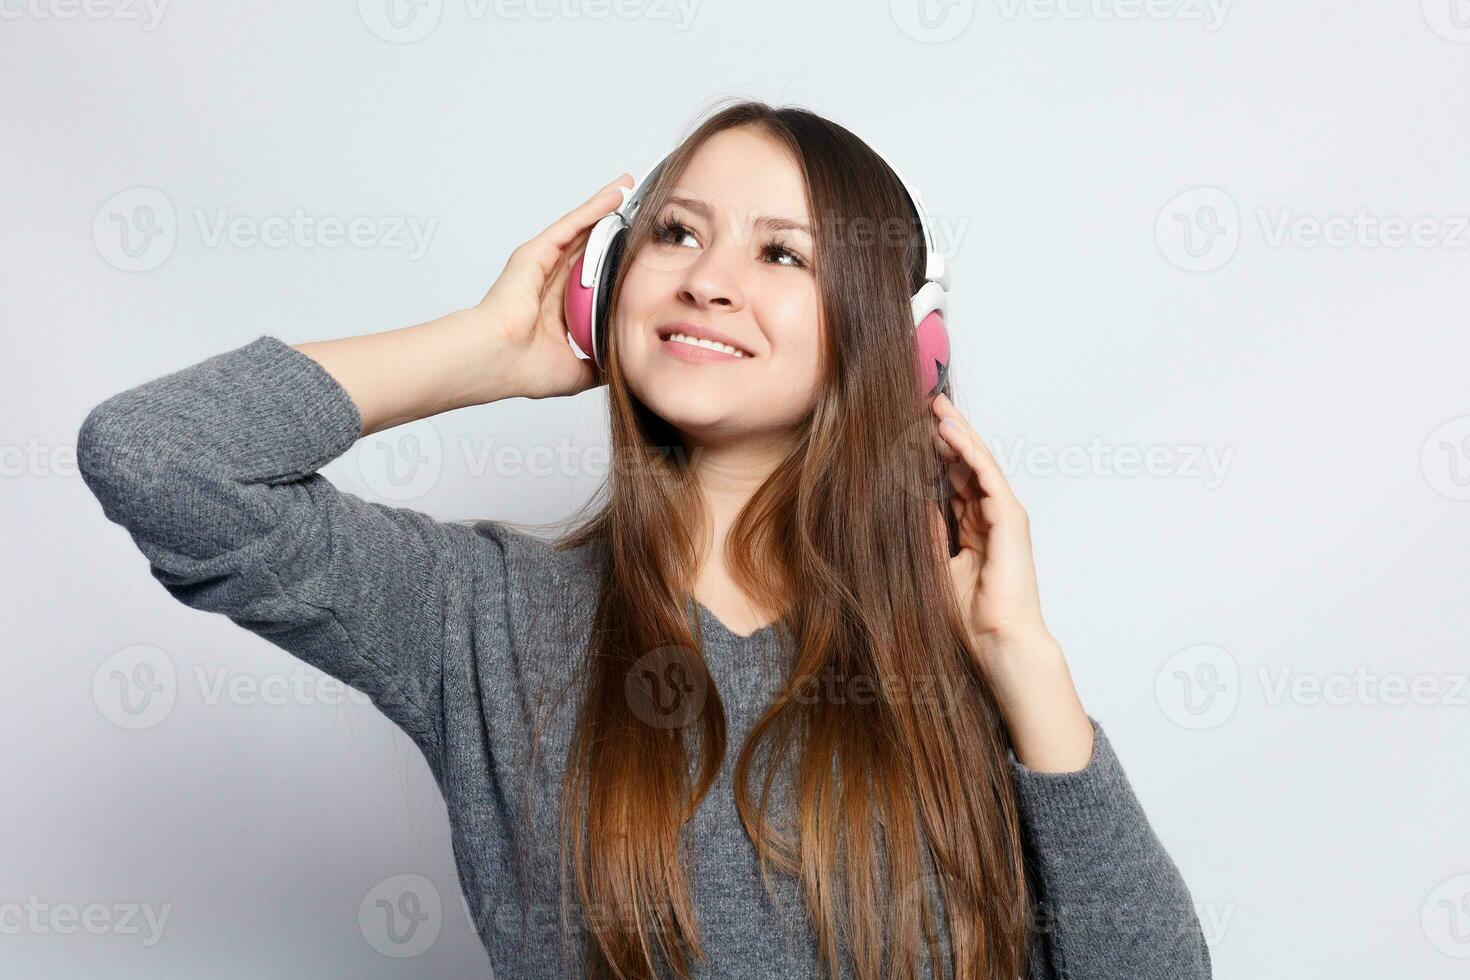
<point>987,498</point>
<point>974,453</point>
<point>947,453</point>
<point>970,473</point>
<point>548,248</point>
<point>553,301</point>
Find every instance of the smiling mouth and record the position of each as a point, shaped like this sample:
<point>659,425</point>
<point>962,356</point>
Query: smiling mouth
<point>675,337</point>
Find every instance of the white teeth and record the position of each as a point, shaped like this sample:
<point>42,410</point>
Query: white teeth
<point>701,342</point>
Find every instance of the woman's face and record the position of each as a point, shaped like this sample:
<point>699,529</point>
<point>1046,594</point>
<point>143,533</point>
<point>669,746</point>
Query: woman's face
<point>726,259</point>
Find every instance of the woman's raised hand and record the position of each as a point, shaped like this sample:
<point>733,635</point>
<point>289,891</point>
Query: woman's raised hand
<point>524,308</point>
<point>994,578</point>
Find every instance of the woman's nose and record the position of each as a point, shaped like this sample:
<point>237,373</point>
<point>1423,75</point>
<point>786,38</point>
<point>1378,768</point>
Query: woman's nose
<point>712,280</point>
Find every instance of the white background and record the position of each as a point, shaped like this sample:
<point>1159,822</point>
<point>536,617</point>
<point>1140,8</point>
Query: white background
<point>1320,829</point>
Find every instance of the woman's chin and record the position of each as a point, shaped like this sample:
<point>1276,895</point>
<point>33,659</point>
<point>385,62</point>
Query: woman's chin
<point>701,429</point>
<point>693,411</point>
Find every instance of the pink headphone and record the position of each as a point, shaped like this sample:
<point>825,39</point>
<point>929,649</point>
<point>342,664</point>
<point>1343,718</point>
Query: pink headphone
<point>589,287</point>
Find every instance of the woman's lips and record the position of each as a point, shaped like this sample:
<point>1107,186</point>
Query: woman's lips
<point>697,355</point>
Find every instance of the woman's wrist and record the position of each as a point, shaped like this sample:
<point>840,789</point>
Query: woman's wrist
<point>487,367</point>
<point>399,376</point>
<point>1050,730</point>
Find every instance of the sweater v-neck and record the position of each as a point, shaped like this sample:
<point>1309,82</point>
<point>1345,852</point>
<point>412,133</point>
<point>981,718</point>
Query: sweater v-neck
<point>714,625</point>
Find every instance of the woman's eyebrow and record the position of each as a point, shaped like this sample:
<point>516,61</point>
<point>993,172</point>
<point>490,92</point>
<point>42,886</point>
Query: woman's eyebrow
<point>765,221</point>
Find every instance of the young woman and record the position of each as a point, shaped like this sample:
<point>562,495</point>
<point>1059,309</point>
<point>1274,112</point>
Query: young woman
<point>768,711</point>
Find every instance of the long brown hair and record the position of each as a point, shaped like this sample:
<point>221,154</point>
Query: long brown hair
<point>903,807</point>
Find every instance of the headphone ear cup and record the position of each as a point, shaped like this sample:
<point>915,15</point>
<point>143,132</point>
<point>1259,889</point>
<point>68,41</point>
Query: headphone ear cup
<point>933,343</point>
<point>577,308</point>
<point>605,280</point>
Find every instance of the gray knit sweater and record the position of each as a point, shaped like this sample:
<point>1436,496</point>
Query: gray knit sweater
<point>466,635</point>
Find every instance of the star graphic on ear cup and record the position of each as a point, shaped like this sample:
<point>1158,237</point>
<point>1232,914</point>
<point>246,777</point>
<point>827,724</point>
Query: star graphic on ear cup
<point>941,374</point>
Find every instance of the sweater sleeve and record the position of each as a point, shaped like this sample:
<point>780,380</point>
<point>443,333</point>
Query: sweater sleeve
<point>212,471</point>
<point>1111,902</point>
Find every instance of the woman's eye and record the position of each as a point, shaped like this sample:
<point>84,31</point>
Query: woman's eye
<point>670,232</point>
<point>781,251</point>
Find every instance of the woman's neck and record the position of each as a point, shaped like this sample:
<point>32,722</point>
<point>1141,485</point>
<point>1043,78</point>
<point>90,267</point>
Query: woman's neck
<point>727,476</point>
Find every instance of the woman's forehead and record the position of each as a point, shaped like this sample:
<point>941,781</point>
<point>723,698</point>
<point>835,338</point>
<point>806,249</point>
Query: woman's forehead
<point>745,173</point>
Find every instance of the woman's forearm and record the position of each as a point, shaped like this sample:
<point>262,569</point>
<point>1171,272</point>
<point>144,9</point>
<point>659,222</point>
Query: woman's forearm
<point>400,376</point>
